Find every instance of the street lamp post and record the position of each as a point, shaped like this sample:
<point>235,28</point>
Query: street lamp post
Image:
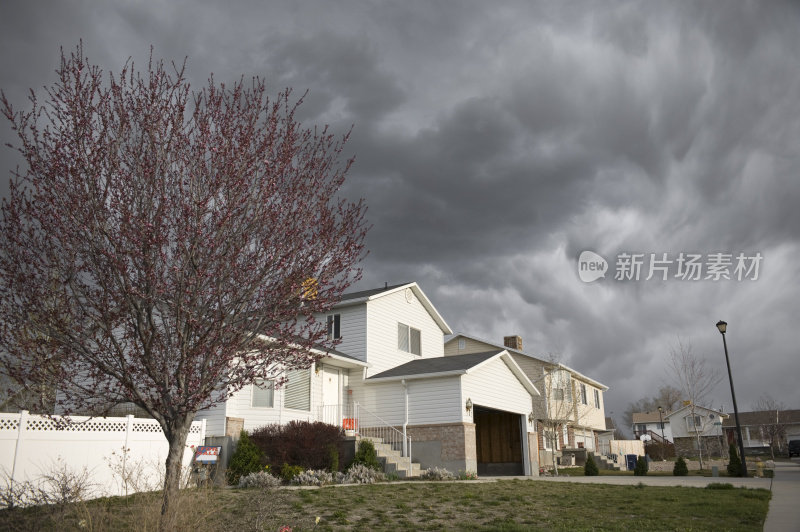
<point>723,327</point>
<point>663,439</point>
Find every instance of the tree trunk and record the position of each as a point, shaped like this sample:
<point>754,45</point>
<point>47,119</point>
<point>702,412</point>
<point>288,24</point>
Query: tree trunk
<point>177,443</point>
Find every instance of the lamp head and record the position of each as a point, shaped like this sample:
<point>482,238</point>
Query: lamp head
<point>722,326</point>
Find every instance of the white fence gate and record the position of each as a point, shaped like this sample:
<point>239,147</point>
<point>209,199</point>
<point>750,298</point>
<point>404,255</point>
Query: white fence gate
<point>111,450</point>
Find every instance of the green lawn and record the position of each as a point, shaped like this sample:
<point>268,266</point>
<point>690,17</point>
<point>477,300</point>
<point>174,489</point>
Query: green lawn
<point>505,505</point>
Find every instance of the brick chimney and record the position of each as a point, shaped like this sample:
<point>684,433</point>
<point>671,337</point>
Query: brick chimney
<point>513,342</point>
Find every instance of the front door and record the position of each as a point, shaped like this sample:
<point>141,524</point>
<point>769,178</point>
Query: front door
<point>331,393</point>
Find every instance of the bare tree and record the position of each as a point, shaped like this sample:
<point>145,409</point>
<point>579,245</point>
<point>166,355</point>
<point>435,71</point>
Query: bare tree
<point>696,381</point>
<point>166,247</point>
<point>771,425</point>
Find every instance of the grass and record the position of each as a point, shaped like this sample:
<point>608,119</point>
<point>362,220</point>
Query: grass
<point>508,505</point>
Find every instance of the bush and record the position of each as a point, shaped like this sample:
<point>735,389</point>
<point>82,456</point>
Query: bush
<point>313,477</point>
<point>361,474</point>
<point>435,473</point>
<point>719,486</point>
<point>641,467</point>
<point>261,479</point>
<point>734,463</point>
<point>680,469</point>
<point>311,445</point>
<point>366,456</point>
<point>467,475</point>
<point>590,469</point>
<point>288,472</point>
<point>245,460</point>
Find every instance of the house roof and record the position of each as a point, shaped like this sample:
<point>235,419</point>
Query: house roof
<point>765,417</point>
<point>575,373</point>
<point>344,359</point>
<point>452,366</point>
<point>686,409</point>
<point>649,417</point>
<point>364,296</point>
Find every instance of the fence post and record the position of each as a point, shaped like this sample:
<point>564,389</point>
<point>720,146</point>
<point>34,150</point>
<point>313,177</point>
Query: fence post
<point>21,430</point>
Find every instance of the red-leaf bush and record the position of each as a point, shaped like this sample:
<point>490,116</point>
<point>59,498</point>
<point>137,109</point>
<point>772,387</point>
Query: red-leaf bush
<point>300,443</point>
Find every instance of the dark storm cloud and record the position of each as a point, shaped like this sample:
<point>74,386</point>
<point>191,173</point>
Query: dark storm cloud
<point>495,142</point>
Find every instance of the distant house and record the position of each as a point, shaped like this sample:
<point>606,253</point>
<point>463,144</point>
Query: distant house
<point>763,428</point>
<point>654,425</point>
<point>577,398</point>
<point>695,428</point>
<point>389,379</point>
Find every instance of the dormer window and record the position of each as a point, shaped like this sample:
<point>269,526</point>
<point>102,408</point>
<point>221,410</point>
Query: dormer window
<point>334,327</point>
<point>409,339</point>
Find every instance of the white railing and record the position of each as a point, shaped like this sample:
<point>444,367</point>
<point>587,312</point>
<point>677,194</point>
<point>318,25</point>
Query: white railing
<point>358,421</point>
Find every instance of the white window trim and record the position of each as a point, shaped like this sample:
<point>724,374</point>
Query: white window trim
<point>408,330</point>
<point>334,326</point>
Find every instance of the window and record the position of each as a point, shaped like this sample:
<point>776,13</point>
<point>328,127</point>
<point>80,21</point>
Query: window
<point>641,428</point>
<point>462,344</point>
<point>583,395</point>
<point>334,327</point>
<point>597,398</point>
<point>297,391</point>
<point>549,438</point>
<point>409,339</point>
<point>694,423</point>
<point>562,388</point>
<point>263,394</point>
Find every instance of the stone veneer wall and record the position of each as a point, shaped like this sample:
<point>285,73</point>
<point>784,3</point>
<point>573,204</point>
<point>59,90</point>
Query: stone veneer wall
<point>450,445</point>
<point>712,446</point>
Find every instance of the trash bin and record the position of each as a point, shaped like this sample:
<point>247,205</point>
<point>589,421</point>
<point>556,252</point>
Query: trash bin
<point>630,461</point>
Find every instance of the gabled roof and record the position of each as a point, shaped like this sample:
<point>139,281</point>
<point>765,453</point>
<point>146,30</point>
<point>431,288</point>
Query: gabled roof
<point>575,373</point>
<point>426,368</point>
<point>765,417</point>
<point>364,296</point>
<point>686,410</point>
<point>649,417</point>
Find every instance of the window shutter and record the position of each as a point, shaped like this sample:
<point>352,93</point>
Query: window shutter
<point>298,389</point>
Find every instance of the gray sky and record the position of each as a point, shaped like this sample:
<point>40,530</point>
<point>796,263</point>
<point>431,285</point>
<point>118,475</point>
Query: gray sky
<point>496,141</point>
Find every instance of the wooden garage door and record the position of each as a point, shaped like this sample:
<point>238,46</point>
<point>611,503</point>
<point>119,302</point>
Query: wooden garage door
<point>498,437</point>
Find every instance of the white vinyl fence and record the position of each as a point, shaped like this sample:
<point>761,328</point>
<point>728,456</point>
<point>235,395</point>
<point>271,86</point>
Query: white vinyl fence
<point>118,454</point>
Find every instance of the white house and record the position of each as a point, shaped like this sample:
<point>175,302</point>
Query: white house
<point>389,378</point>
<point>569,414</point>
<point>653,424</point>
<point>694,428</point>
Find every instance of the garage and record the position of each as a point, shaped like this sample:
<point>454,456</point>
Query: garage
<point>498,441</point>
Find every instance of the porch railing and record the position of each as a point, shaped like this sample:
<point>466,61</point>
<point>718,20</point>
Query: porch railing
<point>359,421</point>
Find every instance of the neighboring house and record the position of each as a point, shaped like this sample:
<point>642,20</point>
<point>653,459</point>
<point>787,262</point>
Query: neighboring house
<point>653,424</point>
<point>761,428</point>
<point>389,375</point>
<point>569,413</point>
<point>695,427</point>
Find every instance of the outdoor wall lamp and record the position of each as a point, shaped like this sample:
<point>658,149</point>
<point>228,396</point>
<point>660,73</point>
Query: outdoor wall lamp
<point>723,327</point>
<point>469,405</point>
<point>531,418</point>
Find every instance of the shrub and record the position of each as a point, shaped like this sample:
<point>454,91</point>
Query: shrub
<point>366,455</point>
<point>361,474</point>
<point>467,475</point>
<point>436,473</point>
<point>734,463</point>
<point>288,472</point>
<point>261,479</point>
<point>313,477</point>
<point>590,469</point>
<point>680,469</point>
<point>641,467</point>
<point>311,445</point>
<point>719,486</point>
<point>245,460</point>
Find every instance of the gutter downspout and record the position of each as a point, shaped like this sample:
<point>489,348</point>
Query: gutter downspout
<point>406,450</point>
